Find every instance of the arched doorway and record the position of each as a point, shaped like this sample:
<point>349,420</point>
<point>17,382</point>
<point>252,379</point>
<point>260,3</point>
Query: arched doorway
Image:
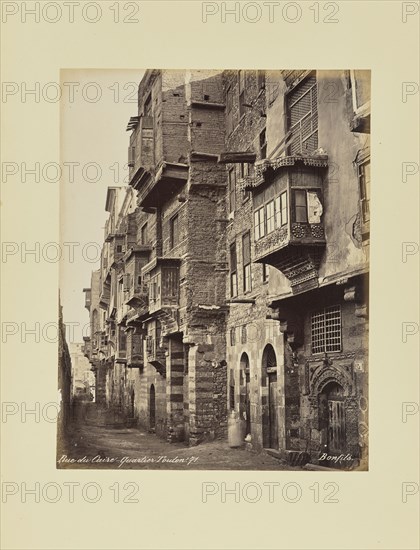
<point>269,398</point>
<point>245,403</point>
<point>333,419</point>
<point>152,408</point>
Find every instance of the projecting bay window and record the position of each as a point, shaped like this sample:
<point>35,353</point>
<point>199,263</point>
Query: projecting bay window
<point>301,207</point>
<point>153,291</point>
<point>281,210</point>
<point>270,216</point>
<point>306,206</point>
<point>246,169</point>
<point>233,271</point>
<point>259,223</point>
<point>302,116</point>
<point>246,259</point>
<point>326,330</point>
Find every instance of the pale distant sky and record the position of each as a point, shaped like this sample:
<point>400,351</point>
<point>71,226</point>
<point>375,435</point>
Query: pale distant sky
<point>92,130</point>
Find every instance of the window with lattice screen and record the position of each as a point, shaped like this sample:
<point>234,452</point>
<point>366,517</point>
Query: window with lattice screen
<point>302,113</point>
<point>326,330</point>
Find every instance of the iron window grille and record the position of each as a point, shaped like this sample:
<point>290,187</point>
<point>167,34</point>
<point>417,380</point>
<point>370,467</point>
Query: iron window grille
<point>326,330</point>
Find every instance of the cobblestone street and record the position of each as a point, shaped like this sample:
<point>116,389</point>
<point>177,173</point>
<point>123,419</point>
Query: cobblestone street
<point>91,445</point>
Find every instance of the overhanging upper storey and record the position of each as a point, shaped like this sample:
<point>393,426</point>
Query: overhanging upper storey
<point>288,208</point>
<point>154,190</point>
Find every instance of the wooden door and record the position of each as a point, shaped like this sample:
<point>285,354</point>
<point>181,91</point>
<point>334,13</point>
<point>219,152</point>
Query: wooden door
<point>336,426</point>
<point>272,410</point>
<point>247,404</point>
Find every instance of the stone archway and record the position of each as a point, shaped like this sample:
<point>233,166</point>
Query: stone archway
<point>334,412</point>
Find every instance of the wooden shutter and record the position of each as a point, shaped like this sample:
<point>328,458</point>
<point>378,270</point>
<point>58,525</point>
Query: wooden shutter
<point>302,110</point>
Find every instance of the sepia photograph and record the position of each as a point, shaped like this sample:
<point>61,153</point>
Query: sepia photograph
<point>221,306</point>
<point>210,314</point>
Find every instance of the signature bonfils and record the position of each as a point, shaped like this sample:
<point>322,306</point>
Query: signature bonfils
<point>98,459</point>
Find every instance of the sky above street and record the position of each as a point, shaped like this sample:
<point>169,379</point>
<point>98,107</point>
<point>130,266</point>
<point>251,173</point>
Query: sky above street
<point>95,108</point>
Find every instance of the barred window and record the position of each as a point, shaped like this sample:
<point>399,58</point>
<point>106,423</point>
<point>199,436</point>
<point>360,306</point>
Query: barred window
<point>326,330</point>
<point>232,336</point>
<point>243,334</point>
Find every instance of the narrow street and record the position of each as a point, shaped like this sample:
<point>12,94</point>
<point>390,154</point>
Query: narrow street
<point>91,445</point>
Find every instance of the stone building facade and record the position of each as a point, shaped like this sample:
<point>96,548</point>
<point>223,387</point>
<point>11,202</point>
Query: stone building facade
<point>82,378</point>
<point>64,381</point>
<point>298,161</point>
<point>234,276</point>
